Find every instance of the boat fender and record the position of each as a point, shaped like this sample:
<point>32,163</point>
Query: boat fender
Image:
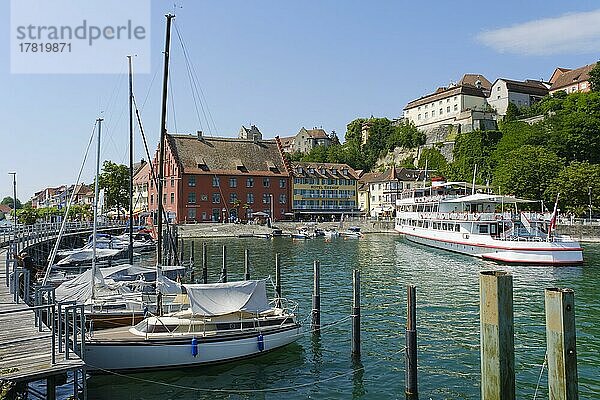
<point>194,347</point>
<point>261,342</point>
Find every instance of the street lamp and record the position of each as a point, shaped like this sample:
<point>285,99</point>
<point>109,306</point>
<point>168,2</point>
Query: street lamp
<point>14,175</point>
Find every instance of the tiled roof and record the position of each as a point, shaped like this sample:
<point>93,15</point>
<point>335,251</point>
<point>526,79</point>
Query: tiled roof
<point>472,79</point>
<point>449,92</point>
<point>567,78</point>
<point>226,155</point>
<point>323,170</point>
<point>528,86</point>
<point>317,133</point>
<point>394,174</point>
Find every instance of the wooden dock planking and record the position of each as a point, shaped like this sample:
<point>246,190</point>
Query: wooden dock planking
<point>26,353</point>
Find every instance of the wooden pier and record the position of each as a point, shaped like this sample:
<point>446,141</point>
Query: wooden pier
<point>26,350</point>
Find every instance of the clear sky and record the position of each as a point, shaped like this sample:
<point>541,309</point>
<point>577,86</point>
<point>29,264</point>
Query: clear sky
<point>282,65</point>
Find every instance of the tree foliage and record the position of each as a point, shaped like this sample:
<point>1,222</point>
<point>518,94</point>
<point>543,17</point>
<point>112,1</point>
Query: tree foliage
<point>595,77</point>
<point>114,180</point>
<point>577,183</point>
<point>470,149</point>
<point>434,160</point>
<point>9,201</point>
<point>527,172</point>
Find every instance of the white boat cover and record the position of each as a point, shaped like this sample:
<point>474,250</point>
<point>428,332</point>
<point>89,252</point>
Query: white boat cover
<point>168,286</point>
<point>87,254</point>
<point>225,298</point>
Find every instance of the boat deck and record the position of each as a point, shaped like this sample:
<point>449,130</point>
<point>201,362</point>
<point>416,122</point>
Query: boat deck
<point>26,353</point>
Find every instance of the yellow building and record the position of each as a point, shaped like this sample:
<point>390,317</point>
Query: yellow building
<point>323,189</point>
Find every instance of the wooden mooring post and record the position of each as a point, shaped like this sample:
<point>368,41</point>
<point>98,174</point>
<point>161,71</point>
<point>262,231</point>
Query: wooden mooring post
<point>356,313</point>
<point>411,388</point>
<point>316,299</point>
<point>277,281</point>
<point>561,344</point>
<point>497,336</point>
<point>204,264</point>
<point>224,268</point>
<point>246,265</point>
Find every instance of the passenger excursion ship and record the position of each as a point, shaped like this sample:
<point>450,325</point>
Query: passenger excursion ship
<point>451,216</point>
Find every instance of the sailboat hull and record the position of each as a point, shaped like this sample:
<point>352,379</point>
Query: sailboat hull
<point>130,355</point>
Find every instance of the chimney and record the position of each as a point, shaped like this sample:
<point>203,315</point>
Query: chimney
<point>200,137</point>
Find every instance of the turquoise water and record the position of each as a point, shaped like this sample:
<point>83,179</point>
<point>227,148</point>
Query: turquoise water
<point>447,322</point>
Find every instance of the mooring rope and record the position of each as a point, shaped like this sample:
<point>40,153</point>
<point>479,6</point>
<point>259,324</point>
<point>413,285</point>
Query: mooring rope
<point>245,391</point>
<point>540,377</point>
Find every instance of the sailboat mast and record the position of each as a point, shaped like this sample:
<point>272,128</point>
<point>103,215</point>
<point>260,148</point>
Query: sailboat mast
<point>163,135</point>
<point>130,247</point>
<point>95,229</point>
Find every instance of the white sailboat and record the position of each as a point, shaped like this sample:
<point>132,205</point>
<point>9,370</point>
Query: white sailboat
<point>225,321</point>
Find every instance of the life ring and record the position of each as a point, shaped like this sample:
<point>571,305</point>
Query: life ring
<point>476,216</point>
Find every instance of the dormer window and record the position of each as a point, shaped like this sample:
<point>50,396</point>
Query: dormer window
<point>201,164</point>
<point>272,167</point>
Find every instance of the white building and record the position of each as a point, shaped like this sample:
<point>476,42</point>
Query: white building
<point>447,105</point>
<point>505,91</point>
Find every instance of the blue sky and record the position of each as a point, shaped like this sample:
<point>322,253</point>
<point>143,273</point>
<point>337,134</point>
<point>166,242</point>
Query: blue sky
<point>282,65</point>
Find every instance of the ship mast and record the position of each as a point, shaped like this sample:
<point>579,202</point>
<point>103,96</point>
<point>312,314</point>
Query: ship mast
<point>161,146</point>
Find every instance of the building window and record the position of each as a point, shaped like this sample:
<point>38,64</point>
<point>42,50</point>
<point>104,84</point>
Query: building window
<point>456,107</point>
<point>419,108</point>
<point>448,109</point>
<point>250,182</point>
<point>282,183</point>
<point>191,181</point>
<point>172,197</point>
<point>426,106</point>
<point>164,198</point>
<point>455,98</point>
<point>250,198</point>
<point>191,213</point>
<point>216,198</point>
<point>192,198</point>
<point>432,113</point>
<point>266,199</point>
<point>215,181</point>
<point>204,216</point>
<point>151,199</point>
<point>282,199</point>
<point>232,197</point>
<point>172,182</point>
<point>419,116</point>
<point>441,111</point>
<point>266,182</point>
<point>498,89</point>
<point>204,197</point>
<point>498,97</point>
<point>426,114</point>
<point>232,182</point>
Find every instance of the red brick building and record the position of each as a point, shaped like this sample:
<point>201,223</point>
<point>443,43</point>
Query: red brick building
<point>216,179</point>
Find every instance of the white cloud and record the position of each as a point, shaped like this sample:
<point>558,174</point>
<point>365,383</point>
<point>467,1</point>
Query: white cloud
<point>574,33</point>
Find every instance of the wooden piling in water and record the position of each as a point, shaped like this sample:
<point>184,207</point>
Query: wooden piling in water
<point>246,265</point>
<point>277,281</point>
<point>224,268</point>
<point>411,387</point>
<point>316,299</point>
<point>561,344</point>
<point>356,313</point>
<point>497,336</point>
<point>204,264</point>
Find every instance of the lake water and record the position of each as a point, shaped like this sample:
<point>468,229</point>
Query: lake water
<point>447,322</point>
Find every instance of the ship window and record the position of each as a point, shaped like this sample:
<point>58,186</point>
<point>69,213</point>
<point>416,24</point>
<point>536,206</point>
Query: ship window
<point>457,228</point>
<point>483,229</point>
<point>493,229</point>
<point>444,226</point>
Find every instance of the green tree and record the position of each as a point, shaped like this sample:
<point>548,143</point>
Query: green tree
<point>8,201</point>
<point>470,149</point>
<point>114,179</point>
<point>434,159</point>
<point>527,172</point>
<point>512,112</point>
<point>27,215</point>
<point>595,78</point>
<point>576,183</point>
